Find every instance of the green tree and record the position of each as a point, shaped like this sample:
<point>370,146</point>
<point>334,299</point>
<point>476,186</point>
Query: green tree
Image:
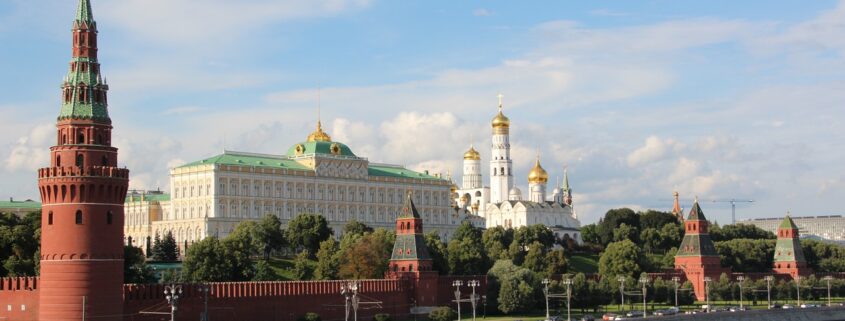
<point>437,250</point>
<point>367,256</point>
<point>496,242</point>
<point>19,242</point>
<point>515,296</point>
<point>656,219</point>
<point>166,249</point>
<point>745,255</point>
<point>355,227</point>
<point>467,256</point>
<point>525,235</point>
<point>535,259</point>
<point>442,314</point>
<point>621,258</point>
<point>511,288</point>
<point>306,231</point>
<point>328,260</point>
<point>302,270</point>
<point>240,247</point>
<point>135,268</point>
<point>625,232</point>
<point>263,272</point>
<point>206,261</point>
<point>589,234</point>
<point>613,219</point>
<point>556,262</point>
<point>269,235</point>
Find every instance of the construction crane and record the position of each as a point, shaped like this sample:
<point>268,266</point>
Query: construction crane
<point>733,202</point>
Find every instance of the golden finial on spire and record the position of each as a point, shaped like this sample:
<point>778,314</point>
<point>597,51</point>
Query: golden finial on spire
<point>500,122</point>
<point>500,100</point>
<point>319,135</point>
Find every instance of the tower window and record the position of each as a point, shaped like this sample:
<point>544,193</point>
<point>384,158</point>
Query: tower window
<point>80,160</point>
<point>80,139</point>
<point>64,139</point>
<point>109,216</point>
<point>58,160</point>
<point>105,161</point>
<point>78,217</point>
<point>50,218</point>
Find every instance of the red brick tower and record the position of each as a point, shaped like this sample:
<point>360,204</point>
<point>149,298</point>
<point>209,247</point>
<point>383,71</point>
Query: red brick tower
<point>697,256</point>
<point>789,257</point>
<point>82,194</point>
<point>410,258</point>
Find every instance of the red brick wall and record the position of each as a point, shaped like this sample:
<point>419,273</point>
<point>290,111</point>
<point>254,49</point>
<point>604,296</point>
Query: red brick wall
<point>19,298</point>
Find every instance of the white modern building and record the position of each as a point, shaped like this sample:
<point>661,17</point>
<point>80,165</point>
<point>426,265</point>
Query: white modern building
<point>827,227</point>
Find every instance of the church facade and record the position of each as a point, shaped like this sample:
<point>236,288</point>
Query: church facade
<point>501,203</point>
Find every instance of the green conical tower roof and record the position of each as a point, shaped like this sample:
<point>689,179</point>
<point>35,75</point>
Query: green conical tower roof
<point>787,223</point>
<point>409,210</point>
<point>84,90</point>
<point>696,213</point>
<point>84,12</point>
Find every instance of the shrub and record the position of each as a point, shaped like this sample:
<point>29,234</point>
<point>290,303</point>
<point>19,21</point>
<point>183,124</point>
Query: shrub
<point>310,316</point>
<point>381,317</point>
<point>442,314</point>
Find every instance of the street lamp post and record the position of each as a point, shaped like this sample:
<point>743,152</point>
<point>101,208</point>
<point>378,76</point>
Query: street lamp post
<point>568,283</point>
<point>740,279</point>
<point>676,279</point>
<point>473,299</point>
<point>828,279</point>
<point>350,293</point>
<point>204,289</point>
<point>644,281</point>
<point>798,289</point>
<point>172,293</point>
<point>707,281</point>
<point>621,280</point>
<point>546,295</point>
<point>484,306</point>
<point>769,280</point>
<point>457,284</point>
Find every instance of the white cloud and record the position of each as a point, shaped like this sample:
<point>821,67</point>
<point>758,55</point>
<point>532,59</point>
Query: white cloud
<point>205,21</point>
<point>655,149</point>
<point>32,151</point>
<point>481,12</point>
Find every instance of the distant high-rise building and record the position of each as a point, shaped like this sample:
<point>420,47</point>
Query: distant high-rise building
<point>825,227</point>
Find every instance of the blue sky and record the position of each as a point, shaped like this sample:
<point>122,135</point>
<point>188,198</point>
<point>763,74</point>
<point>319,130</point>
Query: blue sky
<point>718,99</point>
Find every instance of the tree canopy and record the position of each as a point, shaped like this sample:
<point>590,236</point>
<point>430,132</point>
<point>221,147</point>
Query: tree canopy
<point>306,231</point>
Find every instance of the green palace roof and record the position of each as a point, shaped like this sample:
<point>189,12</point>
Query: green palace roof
<point>283,162</point>
<point>320,147</point>
<point>21,205</point>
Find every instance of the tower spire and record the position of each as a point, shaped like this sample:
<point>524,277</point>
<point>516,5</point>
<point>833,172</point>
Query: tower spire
<point>84,12</point>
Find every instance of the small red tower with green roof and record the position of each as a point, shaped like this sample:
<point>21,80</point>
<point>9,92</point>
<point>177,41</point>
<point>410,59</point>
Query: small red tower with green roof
<point>82,192</point>
<point>410,258</point>
<point>697,256</point>
<point>789,257</point>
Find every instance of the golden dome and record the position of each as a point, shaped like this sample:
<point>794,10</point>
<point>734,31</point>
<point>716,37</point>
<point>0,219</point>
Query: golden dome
<point>319,135</point>
<point>538,174</point>
<point>501,121</point>
<point>472,154</point>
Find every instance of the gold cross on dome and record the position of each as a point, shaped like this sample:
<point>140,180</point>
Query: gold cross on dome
<point>500,99</point>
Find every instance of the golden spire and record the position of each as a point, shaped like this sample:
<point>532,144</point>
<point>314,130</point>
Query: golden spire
<point>319,135</point>
<point>538,174</point>
<point>500,122</point>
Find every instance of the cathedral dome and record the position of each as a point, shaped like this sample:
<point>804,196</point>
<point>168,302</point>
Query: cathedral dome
<point>538,174</point>
<point>472,154</point>
<point>501,121</point>
<point>319,135</point>
<point>515,194</point>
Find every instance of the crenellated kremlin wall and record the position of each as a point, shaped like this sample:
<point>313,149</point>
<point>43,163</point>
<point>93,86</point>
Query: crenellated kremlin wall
<point>271,301</point>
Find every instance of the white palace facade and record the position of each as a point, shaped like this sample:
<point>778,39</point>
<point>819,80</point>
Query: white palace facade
<point>210,197</point>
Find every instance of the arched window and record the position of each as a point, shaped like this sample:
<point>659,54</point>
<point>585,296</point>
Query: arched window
<point>58,160</point>
<point>109,216</point>
<point>80,139</point>
<point>80,160</point>
<point>78,217</point>
<point>64,139</point>
<point>105,161</point>
<point>50,218</point>
<point>99,139</point>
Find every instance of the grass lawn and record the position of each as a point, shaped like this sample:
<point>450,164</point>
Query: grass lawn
<point>584,263</point>
<point>284,267</point>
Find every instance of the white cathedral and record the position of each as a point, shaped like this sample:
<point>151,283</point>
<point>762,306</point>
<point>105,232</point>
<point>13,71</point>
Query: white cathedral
<point>501,203</point>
